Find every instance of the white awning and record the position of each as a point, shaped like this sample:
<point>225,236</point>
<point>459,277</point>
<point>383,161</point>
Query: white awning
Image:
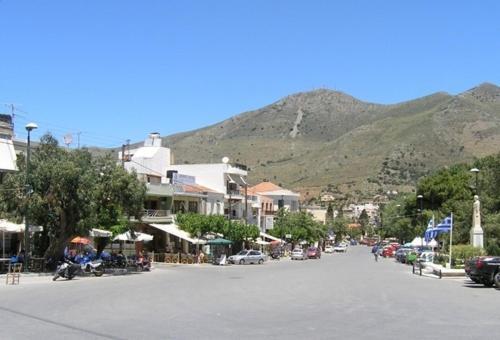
<point>100,233</point>
<point>270,237</point>
<point>237,179</point>
<point>7,155</point>
<point>11,227</point>
<point>174,229</point>
<point>261,242</point>
<point>127,236</point>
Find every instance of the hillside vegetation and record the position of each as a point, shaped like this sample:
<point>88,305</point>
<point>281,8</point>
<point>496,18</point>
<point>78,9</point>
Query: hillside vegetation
<point>311,140</point>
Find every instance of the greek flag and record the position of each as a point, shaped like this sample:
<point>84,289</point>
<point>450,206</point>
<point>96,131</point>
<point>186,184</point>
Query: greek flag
<point>429,232</point>
<point>445,225</point>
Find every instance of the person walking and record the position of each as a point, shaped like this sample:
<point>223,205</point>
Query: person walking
<point>375,252</point>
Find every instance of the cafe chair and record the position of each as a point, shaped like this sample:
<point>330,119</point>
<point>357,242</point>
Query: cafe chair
<point>14,273</point>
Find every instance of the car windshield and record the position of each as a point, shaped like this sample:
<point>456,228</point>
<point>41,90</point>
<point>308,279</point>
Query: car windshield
<point>243,252</point>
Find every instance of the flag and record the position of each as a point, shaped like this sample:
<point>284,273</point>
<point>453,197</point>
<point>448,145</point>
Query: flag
<point>429,232</point>
<point>445,225</point>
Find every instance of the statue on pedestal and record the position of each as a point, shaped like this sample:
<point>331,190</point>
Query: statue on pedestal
<point>476,232</point>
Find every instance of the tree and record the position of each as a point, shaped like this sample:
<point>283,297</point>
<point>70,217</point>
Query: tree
<point>71,192</point>
<point>364,220</point>
<point>300,225</point>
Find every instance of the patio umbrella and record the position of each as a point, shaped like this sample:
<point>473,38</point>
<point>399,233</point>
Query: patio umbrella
<point>80,240</point>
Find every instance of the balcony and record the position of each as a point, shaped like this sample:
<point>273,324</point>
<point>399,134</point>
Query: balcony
<point>157,216</point>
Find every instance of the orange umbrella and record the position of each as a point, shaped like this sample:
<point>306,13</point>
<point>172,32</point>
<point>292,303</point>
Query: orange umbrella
<point>80,240</point>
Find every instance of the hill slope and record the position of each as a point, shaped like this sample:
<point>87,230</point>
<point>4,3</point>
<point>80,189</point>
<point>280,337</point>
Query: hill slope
<point>311,140</point>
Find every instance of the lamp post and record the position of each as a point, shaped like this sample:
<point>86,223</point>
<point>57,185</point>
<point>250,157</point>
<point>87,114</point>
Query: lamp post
<point>476,172</point>
<point>421,199</point>
<point>29,127</point>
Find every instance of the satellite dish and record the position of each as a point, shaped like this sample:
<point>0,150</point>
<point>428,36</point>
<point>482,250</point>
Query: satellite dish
<point>68,139</point>
<point>225,160</point>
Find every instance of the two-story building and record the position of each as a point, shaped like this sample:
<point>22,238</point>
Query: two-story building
<point>220,178</point>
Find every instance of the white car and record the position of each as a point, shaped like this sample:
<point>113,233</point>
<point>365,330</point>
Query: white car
<point>247,256</point>
<point>298,254</point>
<point>340,248</point>
<point>329,249</point>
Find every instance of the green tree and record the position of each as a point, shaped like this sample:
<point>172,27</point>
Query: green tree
<point>364,220</point>
<point>71,192</point>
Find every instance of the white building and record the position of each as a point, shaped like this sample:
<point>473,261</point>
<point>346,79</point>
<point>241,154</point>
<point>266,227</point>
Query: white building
<point>7,153</point>
<point>282,198</point>
<point>150,161</point>
<point>222,178</point>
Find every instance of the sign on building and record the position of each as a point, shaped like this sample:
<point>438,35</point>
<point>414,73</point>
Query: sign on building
<point>183,179</point>
<point>269,222</point>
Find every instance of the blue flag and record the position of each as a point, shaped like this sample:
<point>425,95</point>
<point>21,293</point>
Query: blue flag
<point>445,225</point>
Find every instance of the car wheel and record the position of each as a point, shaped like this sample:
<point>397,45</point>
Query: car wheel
<point>242,261</point>
<point>497,280</point>
<point>261,261</point>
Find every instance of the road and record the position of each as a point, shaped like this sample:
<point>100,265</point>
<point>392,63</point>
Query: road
<point>340,296</point>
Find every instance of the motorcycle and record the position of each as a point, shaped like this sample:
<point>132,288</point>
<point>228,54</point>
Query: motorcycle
<point>66,269</point>
<point>89,266</point>
<point>276,254</point>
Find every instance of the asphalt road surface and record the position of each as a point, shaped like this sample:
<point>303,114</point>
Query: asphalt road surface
<point>340,296</point>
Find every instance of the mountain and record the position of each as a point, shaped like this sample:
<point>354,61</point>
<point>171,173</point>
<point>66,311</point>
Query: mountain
<point>321,139</point>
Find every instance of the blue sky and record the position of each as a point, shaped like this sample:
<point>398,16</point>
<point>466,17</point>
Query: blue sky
<point>117,69</point>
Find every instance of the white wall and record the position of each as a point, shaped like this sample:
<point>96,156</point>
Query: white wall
<point>209,175</point>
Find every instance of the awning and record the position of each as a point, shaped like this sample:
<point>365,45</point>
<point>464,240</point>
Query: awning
<point>127,236</point>
<point>237,179</point>
<point>174,229</point>
<point>270,237</point>
<point>11,227</point>
<point>261,242</point>
<point>7,156</point>
<point>100,233</point>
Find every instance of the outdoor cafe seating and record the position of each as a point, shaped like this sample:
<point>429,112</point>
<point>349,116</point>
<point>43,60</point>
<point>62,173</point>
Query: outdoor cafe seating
<point>14,274</point>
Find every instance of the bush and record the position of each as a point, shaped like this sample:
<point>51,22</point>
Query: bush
<point>493,249</point>
<point>462,252</point>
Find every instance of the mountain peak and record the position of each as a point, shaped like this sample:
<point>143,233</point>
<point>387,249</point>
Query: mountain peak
<point>485,92</point>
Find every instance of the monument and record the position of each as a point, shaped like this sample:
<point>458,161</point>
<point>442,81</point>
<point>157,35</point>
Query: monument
<point>476,232</point>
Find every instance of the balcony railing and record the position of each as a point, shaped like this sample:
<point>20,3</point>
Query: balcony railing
<point>152,215</point>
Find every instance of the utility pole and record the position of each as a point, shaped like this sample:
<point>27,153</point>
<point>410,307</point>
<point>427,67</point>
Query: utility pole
<point>78,134</point>
<point>123,156</point>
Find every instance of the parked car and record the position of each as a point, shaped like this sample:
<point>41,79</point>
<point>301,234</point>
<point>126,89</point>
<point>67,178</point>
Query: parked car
<point>340,248</point>
<point>401,253</point>
<point>388,251</point>
<point>353,243</point>
<point>247,256</point>
<point>314,253</point>
<point>483,269</point>
<point>329,249</point>
<point>298,254</point>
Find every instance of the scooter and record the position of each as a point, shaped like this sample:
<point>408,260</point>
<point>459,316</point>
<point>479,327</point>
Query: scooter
<point>88,266</point>
<point>66,269</point>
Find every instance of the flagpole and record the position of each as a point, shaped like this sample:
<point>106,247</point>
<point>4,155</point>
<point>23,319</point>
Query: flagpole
<point>451,236</point>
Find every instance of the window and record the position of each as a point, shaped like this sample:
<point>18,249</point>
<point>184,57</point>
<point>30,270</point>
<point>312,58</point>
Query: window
<point>193,207</point>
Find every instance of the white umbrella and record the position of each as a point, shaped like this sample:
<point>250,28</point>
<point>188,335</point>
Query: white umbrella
<point>432,243</point>
<point>127,236</point>
<point>417,241</point>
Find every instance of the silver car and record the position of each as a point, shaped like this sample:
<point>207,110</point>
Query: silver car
<point>298,254</point>
<point>247,256</point>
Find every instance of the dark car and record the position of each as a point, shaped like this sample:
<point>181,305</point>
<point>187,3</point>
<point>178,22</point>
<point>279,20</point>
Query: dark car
<point>313,253</point>
<point>483,269</point>
<point>401,253</point>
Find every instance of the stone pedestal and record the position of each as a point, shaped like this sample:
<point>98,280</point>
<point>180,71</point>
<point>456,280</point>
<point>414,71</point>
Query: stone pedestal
<point>476,237</point>
<point>476,232</point>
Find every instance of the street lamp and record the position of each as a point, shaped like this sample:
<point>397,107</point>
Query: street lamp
<point>29,127</point>
<point>421,199</point>
<point>476,172</point>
